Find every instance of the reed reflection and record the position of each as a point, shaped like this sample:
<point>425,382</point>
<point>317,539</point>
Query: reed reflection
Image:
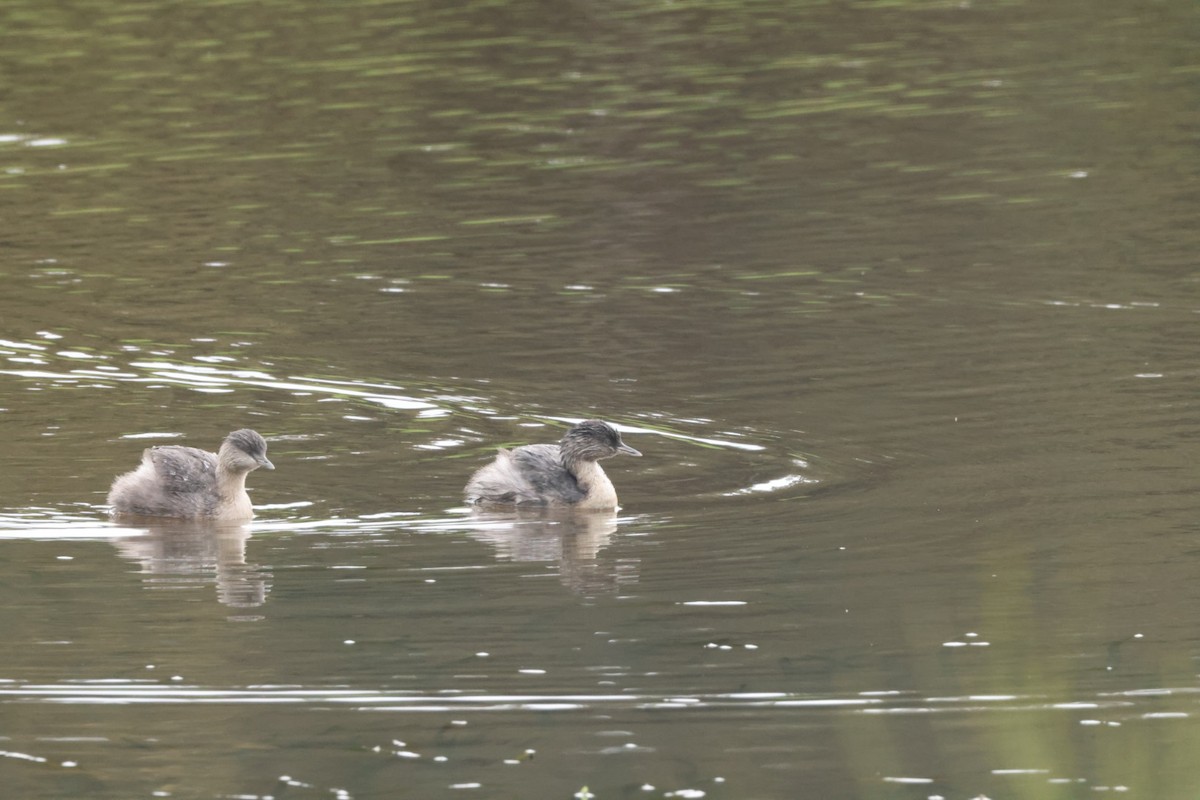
<point>178,554</point>
<point>573,540</point>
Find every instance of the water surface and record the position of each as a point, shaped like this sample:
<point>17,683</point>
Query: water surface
<point>895,297</point>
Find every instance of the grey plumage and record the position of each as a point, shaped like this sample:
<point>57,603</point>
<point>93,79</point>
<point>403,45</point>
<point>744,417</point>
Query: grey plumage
<point>552,474</point>
<point>250,443</point>
<point>178,481</point>
<point>185,485</point>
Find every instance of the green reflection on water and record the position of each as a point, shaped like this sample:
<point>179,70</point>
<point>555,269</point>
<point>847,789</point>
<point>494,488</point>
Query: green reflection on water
<point>717,148</point>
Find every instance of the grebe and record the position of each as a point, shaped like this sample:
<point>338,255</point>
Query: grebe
<point>177,481</point>
<point>563,474</point>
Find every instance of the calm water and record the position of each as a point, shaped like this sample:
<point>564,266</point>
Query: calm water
<point>899,300</point>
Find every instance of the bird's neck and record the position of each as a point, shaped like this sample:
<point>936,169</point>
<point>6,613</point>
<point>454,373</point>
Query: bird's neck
<point>231,486</point>
<point>598,489</point>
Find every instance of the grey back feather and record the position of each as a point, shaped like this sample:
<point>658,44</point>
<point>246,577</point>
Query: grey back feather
<point>173,481</point>
<point>542,467</point>
<point>529,475</point>
<point>184,469</point>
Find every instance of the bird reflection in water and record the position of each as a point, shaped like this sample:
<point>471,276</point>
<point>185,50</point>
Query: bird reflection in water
<point>573,540</point>
<point>180,554</point>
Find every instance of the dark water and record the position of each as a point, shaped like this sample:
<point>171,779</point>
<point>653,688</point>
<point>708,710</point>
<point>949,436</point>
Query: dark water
<point>899,299</point>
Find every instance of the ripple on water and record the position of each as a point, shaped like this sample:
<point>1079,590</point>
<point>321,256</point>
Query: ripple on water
<point>173,691</point>
<point>745,454</point>
<point>54,523</point>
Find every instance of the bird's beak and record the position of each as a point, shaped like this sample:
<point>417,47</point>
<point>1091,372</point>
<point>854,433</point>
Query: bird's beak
<point>264,462</point>
<point>627,450</point>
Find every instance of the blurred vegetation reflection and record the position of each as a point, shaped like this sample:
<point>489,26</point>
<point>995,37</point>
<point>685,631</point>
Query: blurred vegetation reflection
<point>897,297</point>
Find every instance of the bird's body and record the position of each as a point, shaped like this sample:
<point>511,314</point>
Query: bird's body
<point>186,482</point>
<point>563,474</point>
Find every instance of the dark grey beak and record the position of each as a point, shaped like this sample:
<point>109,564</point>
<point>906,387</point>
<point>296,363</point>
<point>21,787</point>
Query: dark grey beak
<point>627,450</point>
<point>264,462</point>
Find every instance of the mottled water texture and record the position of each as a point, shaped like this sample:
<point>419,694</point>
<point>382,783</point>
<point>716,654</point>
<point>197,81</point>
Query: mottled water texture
<point>898,300</point>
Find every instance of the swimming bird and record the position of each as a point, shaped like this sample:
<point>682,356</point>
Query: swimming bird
<point>563,474</point>
<point>177,481</point>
